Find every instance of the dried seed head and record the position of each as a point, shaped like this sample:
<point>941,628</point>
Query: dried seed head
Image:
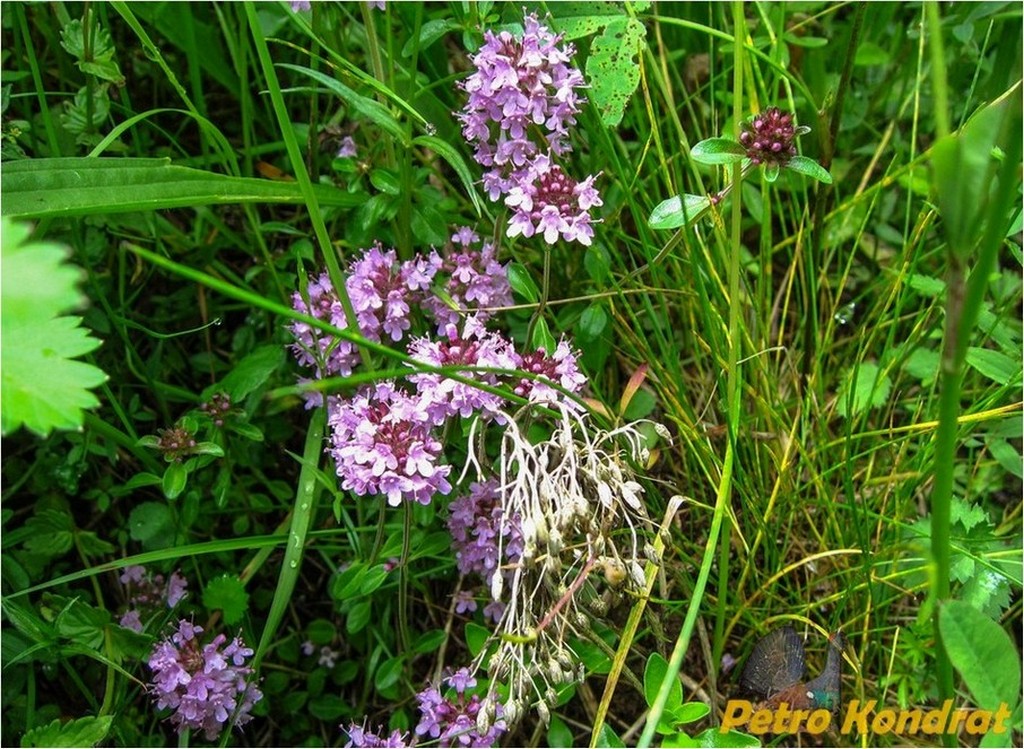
<point>485,718</point>
<point>637,573</point>
<point>511,713</point>
<point>551,696</point>
<point>651,554</point>
<point>544,713</point>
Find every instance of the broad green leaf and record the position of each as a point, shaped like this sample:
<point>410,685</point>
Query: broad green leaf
<point>373,579</point>
<point>690,712</point>
<point>430,32</point>
<point>864,387</point>
<point>369,108</point>
<point>654,675</point>
<point>542,338</point>
<point>41,386</point>
<point>429,641</point>
<point>869,53</point>
<point>713,737</point>
<point>1007,456</point>
<point>250,373</point>
<point>718,151</point>
<point>923,365</point>
<point>559,734</point>
<point>522,283</point>
<point>174,481</point>
<point>151,521</point>
<point>593,321</point>
<point>388,674</point>
<point>476,638</point>
<point>678,211</point>
<point>597,263</point>
<point>321,632</point>
<point>983,653</point>
<point>809,168</point>
<point>227,593</point>
<point>328,707</point>
<point>358,617</point>
<point>86,186</point>
<point>963,167</point>
<point>80,732</point>
<point>996,366</point>
<point>612,68</point>
<point>607,737</point>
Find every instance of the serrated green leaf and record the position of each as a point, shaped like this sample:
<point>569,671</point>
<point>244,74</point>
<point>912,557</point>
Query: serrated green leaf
<point>983,653</point>
<point>88,731</point>
<point>718,151</point>
<point>998,367</point>
<point>864,387</point>
<point>41,386</point>
<point>923,364</point>
<point>227,593</point>
<point>612,69</point>
<point>678,211</point>
<point>809,168</point>
<point>51,533</point>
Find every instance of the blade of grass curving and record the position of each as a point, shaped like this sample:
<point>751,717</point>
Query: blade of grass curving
<point>37,78</point>
<point>718,531</point>
<point>302,516</point>
<point>291,143</point>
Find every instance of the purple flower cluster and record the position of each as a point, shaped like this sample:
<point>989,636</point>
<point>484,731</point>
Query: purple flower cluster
<point>205,686</point>
<point>560,367</point>
<point>382,293</point>
<point>453,722</point>
<point>770,137</point>
<point>359,736</point>
<point>548,201</point>
<point>383,443</point>
<point>445,398</point>
<point>475,281</point>
<point>146,593</point>
<point>476,522</point>
<point>521,101</point>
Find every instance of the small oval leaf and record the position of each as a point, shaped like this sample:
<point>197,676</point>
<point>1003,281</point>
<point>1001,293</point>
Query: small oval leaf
<point>809,168</point>
<point>718,151</point>
<point>678,211</point>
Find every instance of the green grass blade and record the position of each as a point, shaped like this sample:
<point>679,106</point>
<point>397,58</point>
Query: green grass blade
<point>64,187</point>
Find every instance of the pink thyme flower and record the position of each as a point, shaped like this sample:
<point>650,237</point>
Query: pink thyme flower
<point>205,686</point>
<point>523,92</point>
<point>383,443</point>
<point>549,202</point>
<point>770,137</point>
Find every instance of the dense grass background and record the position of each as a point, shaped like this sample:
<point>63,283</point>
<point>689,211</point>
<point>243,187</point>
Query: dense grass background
<point>793,347</point>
